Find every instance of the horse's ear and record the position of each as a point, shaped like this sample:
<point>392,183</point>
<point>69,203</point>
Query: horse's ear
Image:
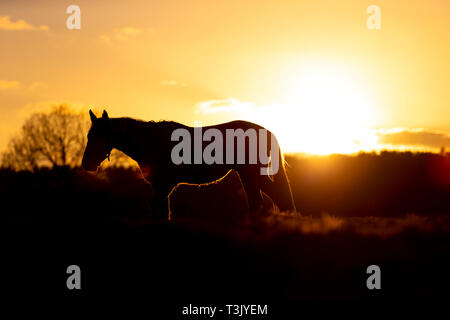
<point>105,115</point>
<point>92,115</point>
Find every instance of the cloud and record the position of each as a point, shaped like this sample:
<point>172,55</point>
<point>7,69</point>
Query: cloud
<point>414,138</point>
<point>105,39</point>
<point>125,33</point>
<point>223,105</point>
<point>7,24</point>
<point>173,83</point>
<point>5,85</point>
<point>37,85</point>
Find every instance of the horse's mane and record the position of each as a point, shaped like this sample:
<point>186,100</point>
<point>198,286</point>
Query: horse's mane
<point>162,122</point>
<point>140,129</point>
<point>128,119</point>
<point>128,122</point>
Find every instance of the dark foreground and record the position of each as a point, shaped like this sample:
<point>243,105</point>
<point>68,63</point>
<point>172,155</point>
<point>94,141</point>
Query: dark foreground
<point>170,265</point>
<point>52,219</point>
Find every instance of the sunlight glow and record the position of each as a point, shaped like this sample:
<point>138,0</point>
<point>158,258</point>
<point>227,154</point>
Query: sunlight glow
<point>326,110</point>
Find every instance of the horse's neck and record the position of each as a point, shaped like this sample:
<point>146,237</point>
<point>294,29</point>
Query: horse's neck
<point>128,136</point>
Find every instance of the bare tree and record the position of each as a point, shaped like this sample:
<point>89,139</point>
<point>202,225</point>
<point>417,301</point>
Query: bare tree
<point>54,139</point>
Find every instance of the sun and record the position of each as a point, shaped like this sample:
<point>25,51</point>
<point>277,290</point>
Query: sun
<point>325,110</point>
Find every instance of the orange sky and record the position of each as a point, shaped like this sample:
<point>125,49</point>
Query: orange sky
<point>309,70</point>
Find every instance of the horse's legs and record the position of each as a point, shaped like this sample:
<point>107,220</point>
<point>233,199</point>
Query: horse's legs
<point>160,206</point>
<point>279,191</point>
<point>160,200</point>
<point>253,192</point>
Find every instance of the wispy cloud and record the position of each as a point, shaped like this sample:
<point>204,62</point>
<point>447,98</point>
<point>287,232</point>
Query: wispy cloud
<point>7,24</point>
<point>37,85</point>
<point>5,84</point>
<point>173,83</point>
<point>414,137</point>
<point>223,105</point>
<point>125,33</point>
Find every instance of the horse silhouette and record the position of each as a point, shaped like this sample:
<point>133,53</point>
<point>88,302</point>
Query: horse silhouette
<point>150,145</point>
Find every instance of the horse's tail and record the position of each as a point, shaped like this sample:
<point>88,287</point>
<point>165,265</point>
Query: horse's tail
<point>278,187</point>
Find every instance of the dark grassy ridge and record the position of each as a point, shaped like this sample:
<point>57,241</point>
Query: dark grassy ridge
<point>389,184</point>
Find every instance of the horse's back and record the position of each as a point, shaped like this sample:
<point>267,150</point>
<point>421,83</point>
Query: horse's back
<point>235,125</point>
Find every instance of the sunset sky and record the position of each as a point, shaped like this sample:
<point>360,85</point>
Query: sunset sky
<point>311,71</point>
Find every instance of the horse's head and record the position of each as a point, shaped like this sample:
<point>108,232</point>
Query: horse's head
<point>99,142</point>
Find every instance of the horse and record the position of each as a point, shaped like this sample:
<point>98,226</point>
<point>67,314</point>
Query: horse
<point>152,144</point>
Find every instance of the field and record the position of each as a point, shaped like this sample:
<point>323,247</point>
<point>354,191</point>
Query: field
<point>100,222</point>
